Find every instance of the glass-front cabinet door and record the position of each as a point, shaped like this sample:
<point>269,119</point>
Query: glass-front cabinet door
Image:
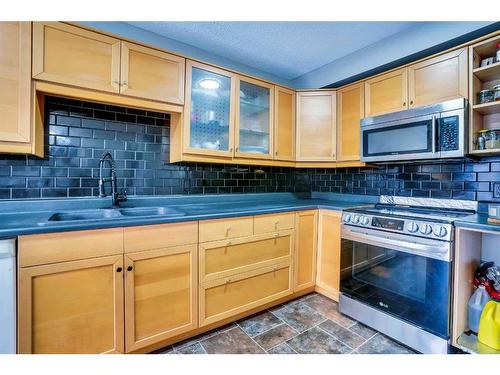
<point>253,138</point>
<point>209,119</point>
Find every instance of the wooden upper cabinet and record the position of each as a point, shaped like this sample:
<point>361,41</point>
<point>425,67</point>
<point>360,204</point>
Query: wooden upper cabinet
<point>316,126</point>
<point>284,124</point>
<point>438,79</point>
<point>72,307</point>
<point>161,295</point>
<point>386,93</point>
<point>152,74</point>
<point>328,266</point>
<point>254,119</point>
<point>70,55</point>
<point>350,110</point>
<point>18,131</point>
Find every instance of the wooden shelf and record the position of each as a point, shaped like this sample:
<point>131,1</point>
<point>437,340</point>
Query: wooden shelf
<point>492,151</point>
<point>468,343</point>
<point>488,73</point>
<point>487,108</point>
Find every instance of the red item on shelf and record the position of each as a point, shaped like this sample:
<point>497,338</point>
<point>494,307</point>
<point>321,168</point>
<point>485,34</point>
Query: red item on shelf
<point>489,288</point>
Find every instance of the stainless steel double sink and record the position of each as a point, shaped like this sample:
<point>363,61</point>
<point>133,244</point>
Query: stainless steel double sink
<point>111,213</point>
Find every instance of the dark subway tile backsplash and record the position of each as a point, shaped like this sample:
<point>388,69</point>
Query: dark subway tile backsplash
<point>80,132</point>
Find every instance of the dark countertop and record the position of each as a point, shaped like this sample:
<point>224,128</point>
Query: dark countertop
<point>478,222</point>
<point>32,216</point>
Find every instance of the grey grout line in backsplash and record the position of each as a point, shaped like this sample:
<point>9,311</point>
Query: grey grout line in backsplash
<point>79,132</point>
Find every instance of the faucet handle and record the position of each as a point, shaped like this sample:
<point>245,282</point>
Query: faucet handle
<point>121,197</point>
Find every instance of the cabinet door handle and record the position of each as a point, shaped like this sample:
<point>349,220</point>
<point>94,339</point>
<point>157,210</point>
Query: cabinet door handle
<point>404,104</point>
<point>130,268</point>
<point>276,153</point>
<point>231,149</point>
<point>236,149</point>
<point>411,102</point>
<point>118,269</point>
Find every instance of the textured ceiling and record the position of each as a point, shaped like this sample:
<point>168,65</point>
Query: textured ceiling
<point>284,49</point>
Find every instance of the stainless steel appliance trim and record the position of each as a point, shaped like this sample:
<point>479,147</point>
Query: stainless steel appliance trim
<point>434,120</point>
<point>429,202</point>
<point>406,333</point>
<point>428,248</point>
<point>450,105</point>
<point>7,248</point>
<point>8,296</point>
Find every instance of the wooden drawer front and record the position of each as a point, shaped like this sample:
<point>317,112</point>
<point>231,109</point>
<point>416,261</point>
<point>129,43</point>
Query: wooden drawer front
<point>223,298</point>
<point>273,223</point>
<point>150,237</point>
<point>220,229</point>
<point>49,248</point>
<point>224,258</point>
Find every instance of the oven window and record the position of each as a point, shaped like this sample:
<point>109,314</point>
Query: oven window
<point>410,287</point>
<point>398,139</point>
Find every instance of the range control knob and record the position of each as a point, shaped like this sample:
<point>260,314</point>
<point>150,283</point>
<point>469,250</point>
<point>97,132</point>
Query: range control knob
<point>355,219</point>
<point>347,218</point>
<point>426,229</point>
<point>412,227</point>
<point>365,220</point>
<point>440,231</point>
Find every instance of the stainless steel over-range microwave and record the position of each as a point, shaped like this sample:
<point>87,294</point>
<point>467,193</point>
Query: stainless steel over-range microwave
<point>427,132</point>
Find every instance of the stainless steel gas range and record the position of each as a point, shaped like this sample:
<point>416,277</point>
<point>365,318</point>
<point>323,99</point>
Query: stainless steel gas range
<point>396,268</point>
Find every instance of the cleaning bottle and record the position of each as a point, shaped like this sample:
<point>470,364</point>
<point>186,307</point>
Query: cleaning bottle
<point>476,304</point>
<point>489,325</point>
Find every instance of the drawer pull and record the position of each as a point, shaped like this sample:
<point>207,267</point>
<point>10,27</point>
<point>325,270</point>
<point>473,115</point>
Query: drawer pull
<point>228,281</point>
<point>227,231</point>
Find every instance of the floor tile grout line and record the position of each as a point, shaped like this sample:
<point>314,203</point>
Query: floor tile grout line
<point>335,338</point>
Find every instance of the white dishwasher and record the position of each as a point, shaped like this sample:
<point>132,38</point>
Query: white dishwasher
<point>8,296</point>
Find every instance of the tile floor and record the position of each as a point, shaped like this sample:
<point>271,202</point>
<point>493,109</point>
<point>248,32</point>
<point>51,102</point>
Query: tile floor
<point>310,324</point>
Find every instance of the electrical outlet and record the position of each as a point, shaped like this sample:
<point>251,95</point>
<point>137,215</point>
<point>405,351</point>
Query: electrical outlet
<point>496,190</point>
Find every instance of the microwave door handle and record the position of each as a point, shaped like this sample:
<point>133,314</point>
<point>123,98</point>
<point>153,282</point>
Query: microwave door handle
<point>434,129</point>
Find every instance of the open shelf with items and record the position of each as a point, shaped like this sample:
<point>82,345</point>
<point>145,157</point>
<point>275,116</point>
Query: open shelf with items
<point>472,248</point>
<point>484,117</point>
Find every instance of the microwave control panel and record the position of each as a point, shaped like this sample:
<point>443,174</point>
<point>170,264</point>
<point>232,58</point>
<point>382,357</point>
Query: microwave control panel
<point>449,133</point>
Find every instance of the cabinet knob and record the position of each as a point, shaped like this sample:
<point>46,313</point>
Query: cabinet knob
<point>404,103</point>
<point>231,149</point>
<point>276,153</point>
<point>118,269</point>
<point>236,149</point>
<point>228,281</point>
<point>130,268</point>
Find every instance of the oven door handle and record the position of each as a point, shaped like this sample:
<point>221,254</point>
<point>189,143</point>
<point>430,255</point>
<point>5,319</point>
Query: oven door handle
<point>430,249</point>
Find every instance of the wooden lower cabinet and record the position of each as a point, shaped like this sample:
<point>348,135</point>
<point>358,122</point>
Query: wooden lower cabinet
<point>305,249</point>
<point>72,307</point>
<point>226,297</point>
<point>328,264</point>
<point>161,295</point>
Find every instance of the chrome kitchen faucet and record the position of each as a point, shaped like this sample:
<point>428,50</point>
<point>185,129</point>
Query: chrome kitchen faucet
<point>115,196</point>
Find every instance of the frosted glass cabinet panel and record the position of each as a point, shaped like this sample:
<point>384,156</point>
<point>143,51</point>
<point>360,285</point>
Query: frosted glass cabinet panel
<point>253,119</point>
<point>210,119</point>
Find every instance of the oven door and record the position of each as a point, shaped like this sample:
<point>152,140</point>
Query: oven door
<point>392,273</point>
<point>406,139</point>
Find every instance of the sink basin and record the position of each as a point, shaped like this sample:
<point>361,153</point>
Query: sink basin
<point>85,215</point>
<point>151,211</point>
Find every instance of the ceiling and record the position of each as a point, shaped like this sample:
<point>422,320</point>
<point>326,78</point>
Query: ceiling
<point>283,49</point>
